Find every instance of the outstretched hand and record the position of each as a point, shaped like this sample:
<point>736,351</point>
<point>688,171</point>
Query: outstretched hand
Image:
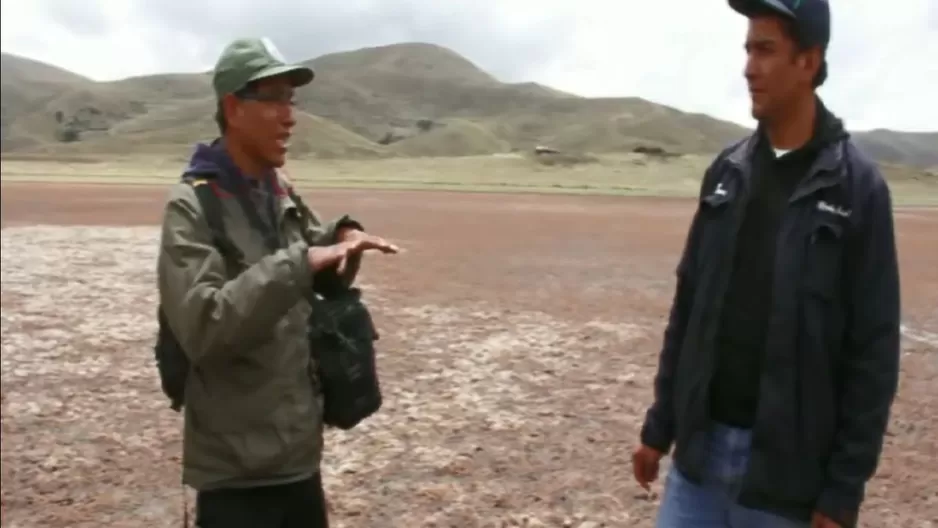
<point>360,242</point>
<point>353,242</point>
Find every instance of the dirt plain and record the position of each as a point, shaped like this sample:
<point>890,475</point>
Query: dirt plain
<point>520,336</point>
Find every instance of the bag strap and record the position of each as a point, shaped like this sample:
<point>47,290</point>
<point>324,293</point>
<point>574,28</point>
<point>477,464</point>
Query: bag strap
<point>211,207</point>
<point>305,216</point>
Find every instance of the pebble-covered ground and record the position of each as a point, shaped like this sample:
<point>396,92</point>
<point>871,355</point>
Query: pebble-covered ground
<point>519,340</point>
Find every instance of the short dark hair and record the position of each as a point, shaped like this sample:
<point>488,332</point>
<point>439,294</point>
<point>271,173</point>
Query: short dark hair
<point>220,118</point>
<point>801,45</point>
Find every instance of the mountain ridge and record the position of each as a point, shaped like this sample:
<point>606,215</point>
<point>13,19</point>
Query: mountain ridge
<point>404,99</point>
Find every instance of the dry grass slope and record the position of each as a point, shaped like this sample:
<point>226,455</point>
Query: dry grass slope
<point>366,99</point>
<point>388,168</point>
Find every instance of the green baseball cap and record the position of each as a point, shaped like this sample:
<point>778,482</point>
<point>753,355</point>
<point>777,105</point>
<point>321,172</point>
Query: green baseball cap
<point>250,59</point>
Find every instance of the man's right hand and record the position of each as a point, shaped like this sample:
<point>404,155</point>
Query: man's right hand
<point>645,463</point>
<point>322,257</point>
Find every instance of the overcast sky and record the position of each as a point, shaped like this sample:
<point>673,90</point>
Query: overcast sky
<point>685,53</point>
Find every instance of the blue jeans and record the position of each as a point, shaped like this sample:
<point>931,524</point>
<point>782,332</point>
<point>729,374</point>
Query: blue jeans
<point>712,504</point>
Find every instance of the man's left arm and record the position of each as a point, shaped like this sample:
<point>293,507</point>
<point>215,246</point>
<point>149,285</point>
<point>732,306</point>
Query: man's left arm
<point>870,369</point>
<point>341,229</point>
<point>321,233</point>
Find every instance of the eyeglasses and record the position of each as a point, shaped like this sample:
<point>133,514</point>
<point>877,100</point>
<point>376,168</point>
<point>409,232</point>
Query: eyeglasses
<point>280,96</point>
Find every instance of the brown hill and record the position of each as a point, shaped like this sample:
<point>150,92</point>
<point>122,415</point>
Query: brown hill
<point>409,99</point>
<point>916,149</point>
<point>27,86</point>
<point>453,137</point>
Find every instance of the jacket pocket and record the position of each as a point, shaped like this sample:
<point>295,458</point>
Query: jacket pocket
<point>822,260</point>
<point>822,289</point>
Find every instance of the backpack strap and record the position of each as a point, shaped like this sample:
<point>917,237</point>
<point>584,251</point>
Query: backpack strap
<point>305,215</point>
<point>234,258</point>
<point>211,207</point>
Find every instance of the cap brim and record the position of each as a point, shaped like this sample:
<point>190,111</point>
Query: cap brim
<point>298,75</point>
<point>749,8</point>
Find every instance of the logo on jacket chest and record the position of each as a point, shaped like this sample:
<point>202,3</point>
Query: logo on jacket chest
<point>834,209</point>
<point>723,192</point>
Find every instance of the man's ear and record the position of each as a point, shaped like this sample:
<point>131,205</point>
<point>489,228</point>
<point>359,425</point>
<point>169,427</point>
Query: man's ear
<point>232,108</point>
<point>810,61</point>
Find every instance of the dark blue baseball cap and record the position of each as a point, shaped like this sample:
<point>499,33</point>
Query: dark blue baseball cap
<point>811,19</point>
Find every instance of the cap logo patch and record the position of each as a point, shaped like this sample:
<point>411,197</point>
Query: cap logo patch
<point>272,49</point>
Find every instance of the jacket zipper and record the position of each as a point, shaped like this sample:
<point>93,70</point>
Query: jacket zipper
<point>715,310</point>
<point>818,179</point>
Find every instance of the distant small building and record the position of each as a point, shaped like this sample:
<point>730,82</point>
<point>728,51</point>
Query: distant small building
<point>541,149</point>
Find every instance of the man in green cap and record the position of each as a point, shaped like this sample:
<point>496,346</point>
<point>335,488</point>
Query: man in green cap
<point>253,433</point>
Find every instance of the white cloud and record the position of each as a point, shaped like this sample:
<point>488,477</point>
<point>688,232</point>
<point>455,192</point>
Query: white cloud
<point>689,54</point>
<point>685,53</point>
<point>118,45</point>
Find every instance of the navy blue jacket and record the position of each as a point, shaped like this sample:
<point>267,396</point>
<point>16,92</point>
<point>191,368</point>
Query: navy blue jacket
<point>832,348</point>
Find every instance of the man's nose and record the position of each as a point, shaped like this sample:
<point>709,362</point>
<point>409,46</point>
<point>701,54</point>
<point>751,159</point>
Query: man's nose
<point>287,119</point>
<point>750,70</point>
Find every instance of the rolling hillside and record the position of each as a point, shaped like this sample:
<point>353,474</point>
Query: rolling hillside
<point>409,99</point>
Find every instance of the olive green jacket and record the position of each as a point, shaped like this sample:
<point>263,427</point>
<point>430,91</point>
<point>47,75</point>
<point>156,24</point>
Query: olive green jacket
<point>253,413</point>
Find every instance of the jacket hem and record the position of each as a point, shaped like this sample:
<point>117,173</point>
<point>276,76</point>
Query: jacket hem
<point>203,485</point>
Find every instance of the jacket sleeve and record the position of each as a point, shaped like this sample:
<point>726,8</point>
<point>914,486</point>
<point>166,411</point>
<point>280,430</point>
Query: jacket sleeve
<point>870,370</point>
<point>210,316</point>
<point>326,234</point>
<point>659,427</point>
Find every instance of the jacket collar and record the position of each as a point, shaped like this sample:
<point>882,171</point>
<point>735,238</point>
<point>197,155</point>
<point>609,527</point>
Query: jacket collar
<point>825,171</point>
<point>212,159</point>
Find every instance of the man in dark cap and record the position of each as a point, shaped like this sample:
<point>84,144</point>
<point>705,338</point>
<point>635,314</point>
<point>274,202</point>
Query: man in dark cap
<point>780,360</point>
<point>253,430</point>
